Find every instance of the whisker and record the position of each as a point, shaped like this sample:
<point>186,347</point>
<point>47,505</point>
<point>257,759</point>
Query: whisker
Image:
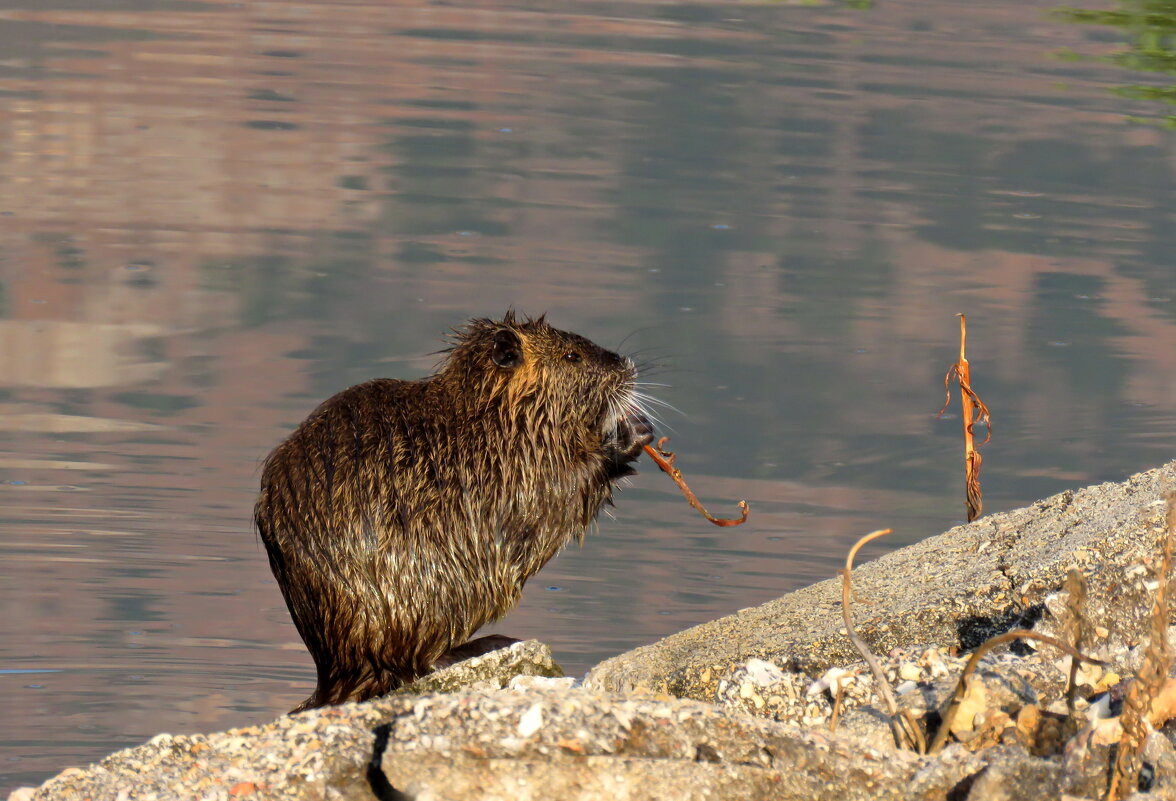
<point>650,349</point>
<point>652,398</point>
<point>651,415</point>
<point>613,420</point>
<point>655,368</point>
<point>658,402</point>
<point>630,335</point>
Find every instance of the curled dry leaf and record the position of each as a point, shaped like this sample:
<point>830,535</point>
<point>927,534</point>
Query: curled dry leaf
<point>974,411</point>
<point>665,460</point>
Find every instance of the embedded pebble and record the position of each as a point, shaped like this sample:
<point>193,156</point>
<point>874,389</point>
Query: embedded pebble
<point>763,673</point>
<point>541,683</point>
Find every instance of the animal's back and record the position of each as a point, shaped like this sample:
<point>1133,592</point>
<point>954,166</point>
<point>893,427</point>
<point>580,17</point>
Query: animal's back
<point>347,512</point>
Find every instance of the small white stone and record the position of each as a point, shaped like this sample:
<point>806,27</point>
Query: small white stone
<point>1057,707</point>
<point>1099,708</point>
<point>1088,674</point>
<point>909,671</point>
<point>531,721</point>
<point>763,673</point>
<point>540,683</point>
<point>834,679</point>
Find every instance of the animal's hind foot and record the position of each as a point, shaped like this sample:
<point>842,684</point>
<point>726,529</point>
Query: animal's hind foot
<point>477,647</point>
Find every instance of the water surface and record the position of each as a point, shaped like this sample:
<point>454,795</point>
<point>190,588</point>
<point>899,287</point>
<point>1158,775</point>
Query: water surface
<point>216,214</point>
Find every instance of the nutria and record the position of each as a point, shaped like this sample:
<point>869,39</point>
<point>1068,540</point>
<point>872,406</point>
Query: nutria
<point>401,516</point>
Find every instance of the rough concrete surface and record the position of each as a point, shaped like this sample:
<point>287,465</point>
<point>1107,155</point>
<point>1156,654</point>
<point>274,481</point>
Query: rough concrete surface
<point>492,671</point>
<point>508,744</point>
<point>579,745</point>
<point>958,588</point>
<point>512,745</point>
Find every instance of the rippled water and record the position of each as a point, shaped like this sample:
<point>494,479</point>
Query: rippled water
<point>216,214</point>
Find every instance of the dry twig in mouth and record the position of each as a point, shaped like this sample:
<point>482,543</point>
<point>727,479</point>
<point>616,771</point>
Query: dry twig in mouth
<point>974,411</point>
<point>665,460</point>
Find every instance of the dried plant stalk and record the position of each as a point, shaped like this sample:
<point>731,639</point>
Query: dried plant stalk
<point>973,411</point>
<point>1076,630</point>
<point>665,460</point>
<point>961,688</point>
<point>907,733</point>
<point>1157,661</point>
<point>837,702</point>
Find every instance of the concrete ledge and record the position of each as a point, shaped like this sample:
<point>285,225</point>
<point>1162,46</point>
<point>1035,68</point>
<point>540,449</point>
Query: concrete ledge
<point>958,588</point>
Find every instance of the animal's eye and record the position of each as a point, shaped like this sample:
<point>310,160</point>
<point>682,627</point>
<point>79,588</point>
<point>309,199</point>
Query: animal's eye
<point>572,356</point>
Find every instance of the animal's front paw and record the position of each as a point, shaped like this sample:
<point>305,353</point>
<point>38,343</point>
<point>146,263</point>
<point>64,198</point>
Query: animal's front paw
<point>633,433</point>
<point>636,432</point>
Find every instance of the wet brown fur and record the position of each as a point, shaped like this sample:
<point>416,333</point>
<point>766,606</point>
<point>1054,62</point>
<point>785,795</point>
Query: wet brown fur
<point>401,516</point>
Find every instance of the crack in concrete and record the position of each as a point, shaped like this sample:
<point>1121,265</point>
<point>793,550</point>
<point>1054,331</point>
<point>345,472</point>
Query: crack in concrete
<point>376,778</point>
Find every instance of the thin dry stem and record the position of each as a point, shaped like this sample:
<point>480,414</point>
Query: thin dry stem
<point>973,410</point>
<point>665,460</point>
<point>1075,630</point>
<point>837,701</point>
<point>962,685</point>
<point>857,546</point>
<point>1157,661</point>
<point>907,733</point>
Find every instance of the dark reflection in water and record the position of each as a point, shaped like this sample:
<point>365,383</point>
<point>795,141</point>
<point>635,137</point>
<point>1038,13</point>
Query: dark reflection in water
<point>213,215</point>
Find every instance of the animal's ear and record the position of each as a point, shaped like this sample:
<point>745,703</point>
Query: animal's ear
<point>507,350</point>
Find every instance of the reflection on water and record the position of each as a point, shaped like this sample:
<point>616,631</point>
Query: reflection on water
<point>214,214</point>
<point>1149,29</point>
